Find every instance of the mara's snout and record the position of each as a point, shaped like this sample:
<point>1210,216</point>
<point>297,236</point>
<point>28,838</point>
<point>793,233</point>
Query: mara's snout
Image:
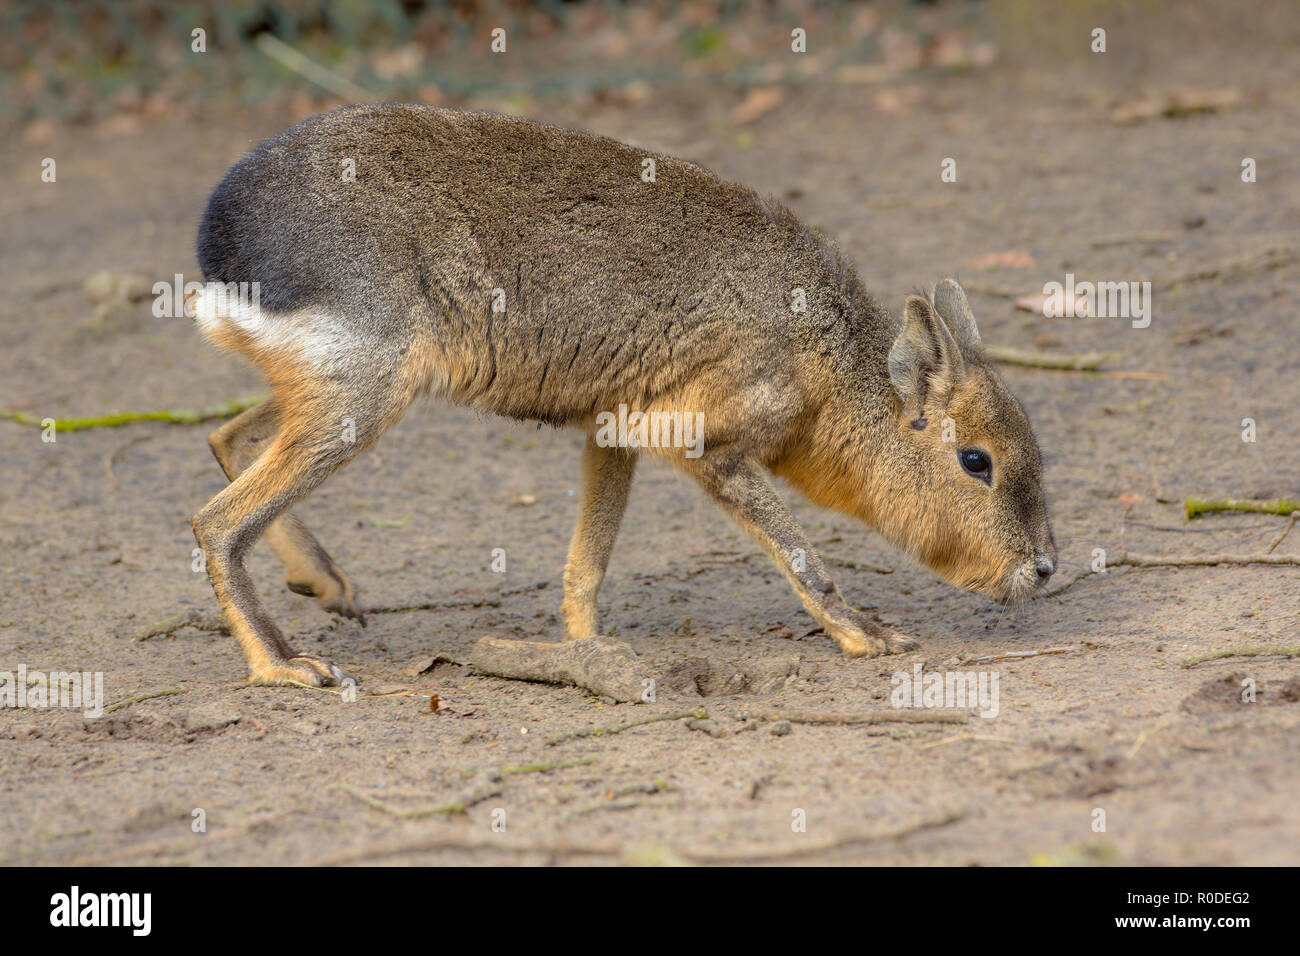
<point>538,273</point>
<point>1028,577</point>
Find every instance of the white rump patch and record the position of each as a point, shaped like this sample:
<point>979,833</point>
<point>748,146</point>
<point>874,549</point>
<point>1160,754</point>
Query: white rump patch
<point>314,336</point>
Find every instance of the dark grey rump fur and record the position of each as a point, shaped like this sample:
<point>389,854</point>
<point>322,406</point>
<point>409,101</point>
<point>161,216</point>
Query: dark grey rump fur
<point>615,288</point>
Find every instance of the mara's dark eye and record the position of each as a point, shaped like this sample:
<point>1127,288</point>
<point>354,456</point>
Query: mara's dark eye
<point>976,462</point>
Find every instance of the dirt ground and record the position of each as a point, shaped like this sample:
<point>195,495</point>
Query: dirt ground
<point>95,546</point>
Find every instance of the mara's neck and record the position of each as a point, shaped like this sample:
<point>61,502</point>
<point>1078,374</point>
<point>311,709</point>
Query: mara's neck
<point>835,459</point>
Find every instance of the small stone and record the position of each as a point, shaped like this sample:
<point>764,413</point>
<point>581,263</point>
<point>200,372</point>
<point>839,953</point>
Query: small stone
<point>780,728</point>
<point>708,726</point>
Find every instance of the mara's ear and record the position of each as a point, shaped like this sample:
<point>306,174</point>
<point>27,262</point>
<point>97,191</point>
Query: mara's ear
<point>924,357</point>
<point>953,307</point>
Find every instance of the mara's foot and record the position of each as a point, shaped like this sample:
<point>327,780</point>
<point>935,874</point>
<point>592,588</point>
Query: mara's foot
<point>332,591</point>
<point>304,669</point>
<point>860,636</point>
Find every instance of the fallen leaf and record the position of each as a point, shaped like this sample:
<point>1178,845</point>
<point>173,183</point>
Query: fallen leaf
<point>864,73</point>
<point>423,665</point>
<point>1174,103</point>
<point>379,522</point>
<point>1037,303</point>
<point>1002,260</point>
<point>39,132</point>
<point>896,101</point>
<point>759,100</point>
<point>106,286</point>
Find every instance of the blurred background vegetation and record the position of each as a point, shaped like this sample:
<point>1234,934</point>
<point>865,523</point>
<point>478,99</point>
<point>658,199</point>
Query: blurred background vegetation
<point>118,62</point>
<point>78,61</point>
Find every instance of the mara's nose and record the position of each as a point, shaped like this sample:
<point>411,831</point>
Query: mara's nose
<point>1043,565</point>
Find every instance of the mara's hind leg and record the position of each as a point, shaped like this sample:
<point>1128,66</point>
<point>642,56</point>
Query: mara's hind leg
<point>309,569</point>
<point>306,448</point>
<point>606,478</point>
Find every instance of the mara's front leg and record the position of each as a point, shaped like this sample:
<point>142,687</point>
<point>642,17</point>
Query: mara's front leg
<point>606,478</point>
<point>740,484</point>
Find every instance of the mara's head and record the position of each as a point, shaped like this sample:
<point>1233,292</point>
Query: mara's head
<point>968,499</point>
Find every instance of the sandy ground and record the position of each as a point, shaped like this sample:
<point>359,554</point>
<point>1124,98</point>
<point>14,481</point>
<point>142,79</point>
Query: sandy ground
<point>95,544</point>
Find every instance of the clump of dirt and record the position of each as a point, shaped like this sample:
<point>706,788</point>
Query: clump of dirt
<point>703,677</point>
<point>1237,690</point>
